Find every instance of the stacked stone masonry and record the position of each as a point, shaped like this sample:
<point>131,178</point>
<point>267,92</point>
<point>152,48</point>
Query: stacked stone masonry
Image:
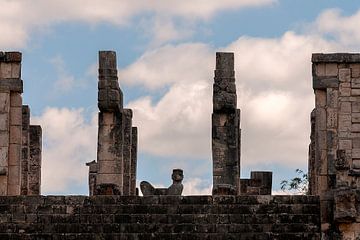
<point>20,163</point>
<point>225,128</point>
<point>114,172</point>
<point>334,152</point>
<point>160,217</point>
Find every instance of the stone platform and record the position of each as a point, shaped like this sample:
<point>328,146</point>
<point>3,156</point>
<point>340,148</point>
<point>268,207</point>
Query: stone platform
<point>160,217</point>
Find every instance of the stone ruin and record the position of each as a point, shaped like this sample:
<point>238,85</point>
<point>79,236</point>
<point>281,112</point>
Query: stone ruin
<point>238,208</point>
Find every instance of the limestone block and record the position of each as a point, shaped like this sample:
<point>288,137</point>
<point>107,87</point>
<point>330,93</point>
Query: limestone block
<point>356,142</point>
<point>5,69</point>
<point>355,83</point>
<point>355,92</point>
<point>109,167</point>
<point>107,118</point>
<point>355,117</point>
<point>331,69</point>
<point>355,70</point>
<point>15,100</point>
<point>4,102</point>
<point>4,153</point>
<point>356,163</point>
<point>345,107</point>
<point>355,127</point>
<point>323,183</point>
<point>331,118</point>
<point>332,96</point>
<point>344,91</point>
<point>14,154</point>
<point>4,122</point>
<point>13,190</point>
<point>320,115</point>
<point>319,69</point>
<point>15,134</point>
<point>321,140</point>
<point>344,122</point>
<point>343,134</point>
<point>344,74</point>
<point>355,107</point>
<point>323,162</point>
<point>345,144</point>
<point>355,153</point>
<point>16,116</point>
<point>15,70</point>
<point>110,178</point>
<point>107,151</point>
<point>14,175</point>
<point>3,185</point>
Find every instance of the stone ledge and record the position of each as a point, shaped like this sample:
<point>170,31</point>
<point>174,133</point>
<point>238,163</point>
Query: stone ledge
<point>10,56</point>
<point>335,58</point>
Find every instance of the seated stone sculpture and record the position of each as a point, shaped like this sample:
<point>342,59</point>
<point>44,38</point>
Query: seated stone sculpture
<point>175,189</point>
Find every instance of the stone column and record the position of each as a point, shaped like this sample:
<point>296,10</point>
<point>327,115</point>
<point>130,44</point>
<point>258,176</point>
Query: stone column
<point>35,147</point>
<point>4,138</point>
<point>25,149</point>
<point>225,128</point>
<point>110,133</point>
<point>10,74</point>
<point>133,161</point>
<point>127,150</point>
<point>334,165</point>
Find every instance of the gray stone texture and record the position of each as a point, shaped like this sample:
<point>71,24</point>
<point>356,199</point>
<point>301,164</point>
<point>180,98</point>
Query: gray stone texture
<point>225,128</point>
<point>260,183</point>
<point>335,146</point>
<point>160,217</point>
<point>115,147</point>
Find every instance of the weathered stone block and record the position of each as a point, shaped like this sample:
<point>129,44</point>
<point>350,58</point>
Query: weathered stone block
<point>355,153</point>
<point>4,153</point>
<point>325,82</point>
<point>15,134</point>
<point>15,100</point>
<point>356,163</point>
<point>320,97</point>
<point>5,69</point>
<point>320,115</point>
<point>355,70</point>
<point>355,92</point>
<point>355,83</point>
<point>355,127</point>
<point>345,144</point>
<point>110,167</point>
<point>331,118</point>
<point>344,122</point>
<point>355,107</point>
<point>14,154</point>
<point>345,107</point>
<point>14,175</point>
<point>319,69</point>
<point>3,185</point>
<point>16,116</point>
<point>107,118</point>
<point>13,190</point>
<point>331,69</point>
<point>344,91</point>
<point>4,102</point>
<point>344,74</point>
<point>4,122</point>
<point>15,70</point>
<point>331,98</point>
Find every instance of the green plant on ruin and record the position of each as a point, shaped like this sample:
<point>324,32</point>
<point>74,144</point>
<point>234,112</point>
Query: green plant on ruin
<point>298,184</point>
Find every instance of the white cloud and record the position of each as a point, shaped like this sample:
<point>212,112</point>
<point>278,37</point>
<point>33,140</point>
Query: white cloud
<point>20,18</point>
<point>274,94</point>
<point>345,29</point>
<point>68,143</point>
<point>196,186</point>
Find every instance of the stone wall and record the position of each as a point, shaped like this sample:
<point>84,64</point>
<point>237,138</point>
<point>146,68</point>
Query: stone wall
<point>160,217</point>
<point>334,152</point>
<point>20,163</point>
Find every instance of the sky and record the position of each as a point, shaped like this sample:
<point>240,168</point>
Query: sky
<point>166,60</point>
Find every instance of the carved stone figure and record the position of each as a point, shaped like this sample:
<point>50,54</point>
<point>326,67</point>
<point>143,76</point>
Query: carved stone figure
<point>175,189</point>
